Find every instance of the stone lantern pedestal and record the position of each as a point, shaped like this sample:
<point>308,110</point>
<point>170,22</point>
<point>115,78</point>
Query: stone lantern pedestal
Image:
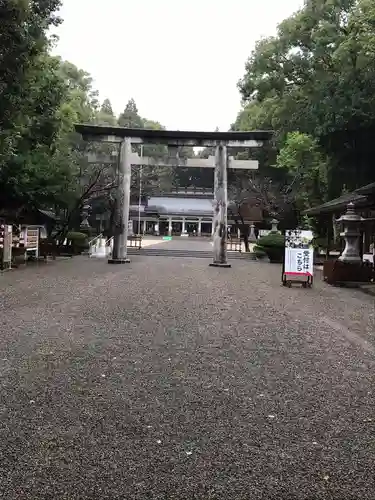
<point>348,269</point>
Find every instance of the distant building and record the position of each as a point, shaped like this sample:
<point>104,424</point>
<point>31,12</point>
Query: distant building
<point>183,212</point>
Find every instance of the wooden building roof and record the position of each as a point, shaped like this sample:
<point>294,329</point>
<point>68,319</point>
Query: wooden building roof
<point>362,197</point>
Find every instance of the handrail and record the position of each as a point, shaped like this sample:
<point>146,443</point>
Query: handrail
<point>92,244</point>
<point>96,238</point>
<point>108,245</point>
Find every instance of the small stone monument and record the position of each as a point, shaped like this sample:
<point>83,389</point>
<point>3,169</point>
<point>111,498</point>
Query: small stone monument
<point>351,222</point>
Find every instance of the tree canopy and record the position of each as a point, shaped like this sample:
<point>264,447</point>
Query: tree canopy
<point>43,162</point>
<point>31,95</point>
<point>313,84</point>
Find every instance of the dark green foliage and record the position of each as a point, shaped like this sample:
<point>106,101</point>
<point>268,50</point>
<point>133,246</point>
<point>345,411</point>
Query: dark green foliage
<point>76,236</point>
<point>272,240</point>
<point>313,84</point>
<point>78,241</point>
<point>259,252</point>
<point>23,41</point>
<point>273,246</point>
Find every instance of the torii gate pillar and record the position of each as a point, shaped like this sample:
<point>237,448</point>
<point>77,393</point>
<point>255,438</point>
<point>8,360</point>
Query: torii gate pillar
<point>220,208</point>
<point>120,238</point>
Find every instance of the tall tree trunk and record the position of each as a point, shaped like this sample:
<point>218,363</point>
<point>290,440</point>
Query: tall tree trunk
<point>245,232</point>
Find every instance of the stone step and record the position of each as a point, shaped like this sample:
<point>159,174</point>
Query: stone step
<point>202,254</point>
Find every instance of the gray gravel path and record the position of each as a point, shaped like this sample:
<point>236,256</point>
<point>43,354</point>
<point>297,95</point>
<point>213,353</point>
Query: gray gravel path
<point>168,379</point>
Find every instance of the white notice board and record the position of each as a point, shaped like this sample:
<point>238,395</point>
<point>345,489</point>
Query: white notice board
<point>299,254</point>
<point>299,261</point>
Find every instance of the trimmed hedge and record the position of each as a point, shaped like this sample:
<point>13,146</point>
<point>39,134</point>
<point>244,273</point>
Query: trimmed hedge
<point>259,252</point>
<point>78,240</point>
<point>76,236</point>
<point>273,246</point>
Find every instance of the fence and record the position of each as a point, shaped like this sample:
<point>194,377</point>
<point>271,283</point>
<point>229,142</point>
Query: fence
<point>17,242</point>
<point>100,247</point>
<point>5,246</point>
<point>234,245</point>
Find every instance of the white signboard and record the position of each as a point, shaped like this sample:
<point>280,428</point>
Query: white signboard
<point>299,261</point>
<point>299,253</point>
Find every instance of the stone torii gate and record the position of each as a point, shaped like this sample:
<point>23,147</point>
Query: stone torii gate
<point>175,139</point>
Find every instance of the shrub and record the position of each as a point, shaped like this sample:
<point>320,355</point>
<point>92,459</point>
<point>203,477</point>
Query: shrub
<point>273,246</point>
<point>259,252</point>
<point>78,240</point>
<point>76,236</point>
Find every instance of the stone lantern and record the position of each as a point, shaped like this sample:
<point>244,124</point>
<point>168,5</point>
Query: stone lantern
<point>85,225</point>
<point>252,236</point>
<point>351,222</point>
<point>274,223</point>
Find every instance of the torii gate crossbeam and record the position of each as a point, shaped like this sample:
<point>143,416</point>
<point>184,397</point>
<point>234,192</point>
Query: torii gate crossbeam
<point>221,141</point>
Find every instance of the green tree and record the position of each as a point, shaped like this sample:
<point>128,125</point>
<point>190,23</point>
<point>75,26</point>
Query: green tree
<point>49,166</point>
<point>130,118</point>
<point>82,97</point>
<point>88,181</point>
<point>106,116</point>
<point>306,167</point>
<point>28,175</point>
<point>316,77</point>
<point>155,178</point>
<point>107,107</point>
<point>23,41</point>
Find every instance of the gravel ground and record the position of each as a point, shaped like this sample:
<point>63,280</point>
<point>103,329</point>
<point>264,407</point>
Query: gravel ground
<point>168,379</point>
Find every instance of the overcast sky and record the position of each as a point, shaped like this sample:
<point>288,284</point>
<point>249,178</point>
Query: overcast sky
<point>179,59</point>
